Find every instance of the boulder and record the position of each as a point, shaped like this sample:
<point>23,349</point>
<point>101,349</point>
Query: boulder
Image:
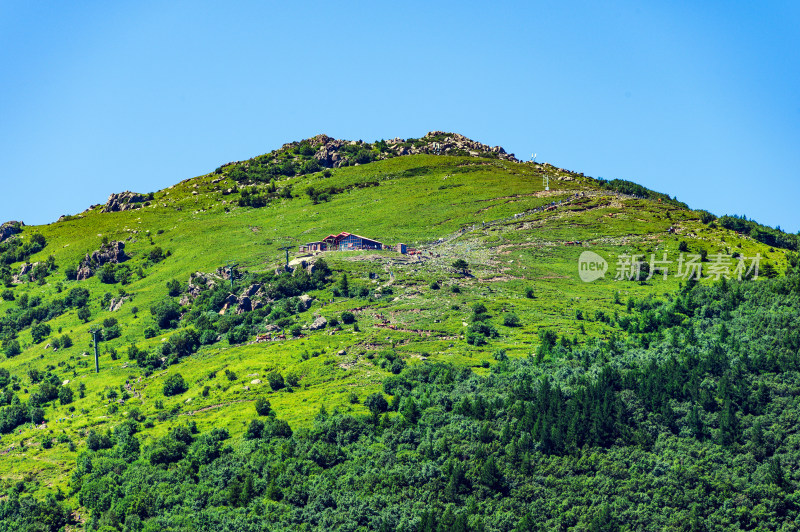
<point>244,305</point>
<point>251,290</point>
<point>306,300</point>
<point>318,323</point>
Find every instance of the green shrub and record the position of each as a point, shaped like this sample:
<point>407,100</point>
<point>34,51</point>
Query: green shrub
<point>348,317</point>
<point>173,288</point>
<point>65,395</point>
<point>529,292</point>
<point>461,264</point>
<point>275,380</point>
<point>376,403</point>
<point>511,320</point>
<point>106,274</point>
<point>174,385</point>
<point>166,313</point>
<point>39,332</point>
<point>13,349</point>
<point>263,408</point>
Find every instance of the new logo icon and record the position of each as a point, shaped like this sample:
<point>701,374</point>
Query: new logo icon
<point>591,266</point>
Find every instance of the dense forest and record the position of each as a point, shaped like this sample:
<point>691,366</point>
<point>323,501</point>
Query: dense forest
<point>688,420</point>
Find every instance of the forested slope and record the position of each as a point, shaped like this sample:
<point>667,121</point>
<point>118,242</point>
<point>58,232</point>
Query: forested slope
<point>690,424</point>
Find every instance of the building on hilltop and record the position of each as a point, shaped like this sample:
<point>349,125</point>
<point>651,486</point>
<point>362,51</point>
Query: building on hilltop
<point>342,242</point>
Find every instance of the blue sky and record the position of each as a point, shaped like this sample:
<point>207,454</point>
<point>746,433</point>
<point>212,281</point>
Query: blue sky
<point>700,100</point>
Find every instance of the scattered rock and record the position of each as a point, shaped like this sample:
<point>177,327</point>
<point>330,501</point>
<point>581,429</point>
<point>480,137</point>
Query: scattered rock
<point>255,381</point>
<point>342,352</point>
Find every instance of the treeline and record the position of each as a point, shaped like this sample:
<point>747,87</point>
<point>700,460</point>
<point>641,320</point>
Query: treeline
<point>634,189</point>
<point>660,431</point>
<point>762,233</point>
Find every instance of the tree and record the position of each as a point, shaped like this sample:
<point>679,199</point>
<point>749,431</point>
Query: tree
<point>263,408</point>
<point>84,314</point>
<point>65,395</point>
<point>39,332</point>
<point>410,411</point>
<point>511,320</point>
<point>275,380</point>
<point>377,404</point>
<point>344,285</point>
<point>173,288</point>
<point>106,274</point>
<point>462,265</point>
<point>13,349</point>
<point>174,385</point>
<point>166,313</point>
<point>490,475</point>
<point>348,317</point>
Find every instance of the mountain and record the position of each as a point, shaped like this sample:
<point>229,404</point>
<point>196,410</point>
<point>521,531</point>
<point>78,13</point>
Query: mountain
<point>508,343</point>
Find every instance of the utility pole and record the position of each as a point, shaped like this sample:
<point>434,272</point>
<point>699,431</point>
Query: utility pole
<point>287,248</point>
<point>231,265</point>
<point>94,332</point>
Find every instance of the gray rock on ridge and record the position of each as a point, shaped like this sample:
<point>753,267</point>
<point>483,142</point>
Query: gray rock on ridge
<point>122,201</point>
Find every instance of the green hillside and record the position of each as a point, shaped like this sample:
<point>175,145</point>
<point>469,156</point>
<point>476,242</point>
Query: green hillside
<point>516,311</point>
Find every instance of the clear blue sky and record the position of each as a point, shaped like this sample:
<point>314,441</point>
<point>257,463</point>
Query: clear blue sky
<point>700,100</point>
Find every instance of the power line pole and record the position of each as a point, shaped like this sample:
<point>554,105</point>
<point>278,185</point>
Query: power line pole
<point>94,332</point>
<point>231,265</point>
<point>287,248</point>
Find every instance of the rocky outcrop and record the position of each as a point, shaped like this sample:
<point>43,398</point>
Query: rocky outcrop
<point>122,201</point>
<point>443,143</point>
<point>9,229</point>
<point>113,252</point>
<point>84,272</point>
<point>116,304</point>
<point>330,153</point>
